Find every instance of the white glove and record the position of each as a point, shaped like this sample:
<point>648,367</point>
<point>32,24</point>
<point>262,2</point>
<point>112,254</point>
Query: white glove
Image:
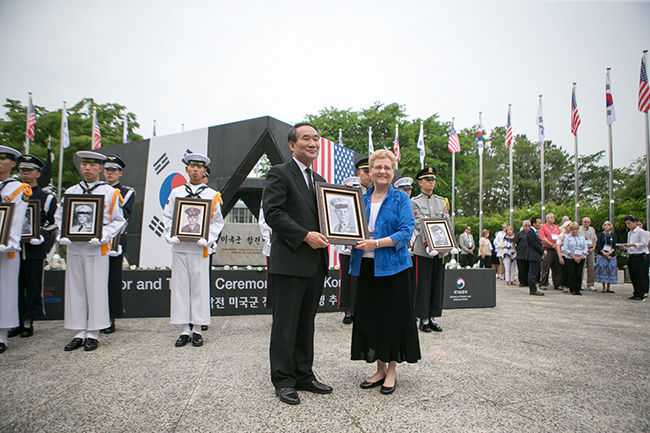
<point>105,240</point>
<point>202,242</point>
<point>454,251</point>
<point>172,240</point>
<point>431,252</point>
<point>38,241</point>
<point>94,241</point>
<point>65,241</point>
<point>113,253</point>
<point>4,248</point>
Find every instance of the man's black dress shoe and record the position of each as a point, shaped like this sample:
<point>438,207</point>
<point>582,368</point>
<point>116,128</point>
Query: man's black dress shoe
<point>367,385</point>
<point>386,390</point>
<point>110,329</point>
<point>424,327</point>
<point>182,340</point>
<point>3,347</point>
<point>348,319</point>
<point>435,327</point>
<point>14,332</point>
<point>27,332</point>
<point>537,293</point>
<point>90,344</point>
<point>197,340</point>
<point>315,387</point>
<point>288,395</point>
<point>75,344</point>
<point>204,327</point>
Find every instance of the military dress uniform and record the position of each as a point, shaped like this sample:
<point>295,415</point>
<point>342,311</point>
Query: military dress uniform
<point>11,191</point>
<point>429,271</point>
<point>32,257</point>
<point>190,284</point>
<point>86,277</point>
<point>127,199</point>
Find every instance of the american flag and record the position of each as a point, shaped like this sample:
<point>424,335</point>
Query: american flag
<point>575,117</point>
<point>335,163</point>
<point>398,156</point>
<point>644,89</point>
<point>509,131</point>
<point>97,136</point>
<point>31,120</point>
<point>454,143</point>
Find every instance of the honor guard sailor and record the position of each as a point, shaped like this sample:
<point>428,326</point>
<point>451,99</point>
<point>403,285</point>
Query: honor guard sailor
<point>430,273</point>
<point>86,276</point>
<point>190,285</point>
<point>18,193</point>
<point>113,170</point>
<point>32,257</point>
<point>363,172</point>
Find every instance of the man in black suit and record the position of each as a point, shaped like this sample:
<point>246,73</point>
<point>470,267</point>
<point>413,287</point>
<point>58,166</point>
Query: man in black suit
<point>535,254</point>
<point>298,263</point>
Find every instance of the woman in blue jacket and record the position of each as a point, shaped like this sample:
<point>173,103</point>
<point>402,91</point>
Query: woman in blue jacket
<point>384,328</point>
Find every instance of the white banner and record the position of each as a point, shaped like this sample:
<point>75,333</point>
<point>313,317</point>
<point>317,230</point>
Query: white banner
<point>165,171</point>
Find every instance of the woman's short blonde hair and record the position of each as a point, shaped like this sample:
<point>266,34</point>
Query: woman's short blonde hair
<point>574,225</point>
<point>382,153</point>
<point>608,222</point>
<point>485,232</point>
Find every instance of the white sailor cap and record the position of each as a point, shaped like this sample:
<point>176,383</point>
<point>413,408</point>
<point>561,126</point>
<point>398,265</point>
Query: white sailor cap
<point>352,180</point>
<point>91,157</point>
<point>9,153</point>
<point>405,182</point>
<point>196,159</point>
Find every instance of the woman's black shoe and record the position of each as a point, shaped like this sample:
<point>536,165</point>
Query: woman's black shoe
<point>386,390</point>
<point>368,385</point>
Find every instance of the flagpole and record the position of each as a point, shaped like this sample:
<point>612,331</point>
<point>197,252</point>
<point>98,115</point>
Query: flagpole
<point>575,168</point>
<point>512,210</point>
<point>396,135</point>
<point>58,189</point>
<point>611,166</point>
<point>27,126</point>
<point>541,150</point>
<point>371,147</point>
<point>647,158</point>
<point>453,186</point>
<point>480,180</point>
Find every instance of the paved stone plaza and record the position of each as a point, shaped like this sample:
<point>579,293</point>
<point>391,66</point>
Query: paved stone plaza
<point>532,364</point>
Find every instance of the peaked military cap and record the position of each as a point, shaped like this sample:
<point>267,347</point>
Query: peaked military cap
<point>30,162</point>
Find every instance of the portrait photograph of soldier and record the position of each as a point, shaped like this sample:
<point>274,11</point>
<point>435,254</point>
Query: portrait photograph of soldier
<point>83,220</point>
<point>191,219</point>
<point>27,224</point>
<point>439,236</point>
<point>342,217</point>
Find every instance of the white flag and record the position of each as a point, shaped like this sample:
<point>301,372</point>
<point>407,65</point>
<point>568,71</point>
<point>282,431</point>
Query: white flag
<point>125,133</point>
<point>609,102</point>
<point>540,123</point>
<point>371,148</point>
<point>65,135</point>
<point>421,144</point>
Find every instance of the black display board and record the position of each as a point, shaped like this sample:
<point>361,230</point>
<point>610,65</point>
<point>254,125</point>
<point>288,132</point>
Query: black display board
<point>470,288</point>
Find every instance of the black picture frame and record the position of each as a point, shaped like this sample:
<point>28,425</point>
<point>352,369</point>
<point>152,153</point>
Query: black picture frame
<point>187,223</point>
<point>6,217</point>
<point>438,234</point>
<point>338,225</point>
<point>32,224</point>
<point>76,225</point>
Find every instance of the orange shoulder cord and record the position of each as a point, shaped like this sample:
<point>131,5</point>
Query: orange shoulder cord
<point>116,195</point>
<point>216,198</point>
<point>27,192</point>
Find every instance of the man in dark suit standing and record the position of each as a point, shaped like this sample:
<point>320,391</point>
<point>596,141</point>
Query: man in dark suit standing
<point>298,264</point>
<point>535,254</point>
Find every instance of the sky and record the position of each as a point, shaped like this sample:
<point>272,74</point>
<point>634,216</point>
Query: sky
<point>204,63</point>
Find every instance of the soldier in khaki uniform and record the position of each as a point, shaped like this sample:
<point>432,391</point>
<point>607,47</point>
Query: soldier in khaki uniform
<point>430,266</point>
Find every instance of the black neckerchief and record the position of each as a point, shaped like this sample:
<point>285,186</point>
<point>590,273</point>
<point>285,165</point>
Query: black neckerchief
<point>88,190</point>
<point>427,196</point>
<point>194,194</point>
<point>6,181</point>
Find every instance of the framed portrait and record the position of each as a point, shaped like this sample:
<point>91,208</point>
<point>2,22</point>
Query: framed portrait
<point>341,213</point>
<point>191,219</point>
<point>438,234</point>
<point>82,217</point>
<point>32,223</point>
<point>6,214</point>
